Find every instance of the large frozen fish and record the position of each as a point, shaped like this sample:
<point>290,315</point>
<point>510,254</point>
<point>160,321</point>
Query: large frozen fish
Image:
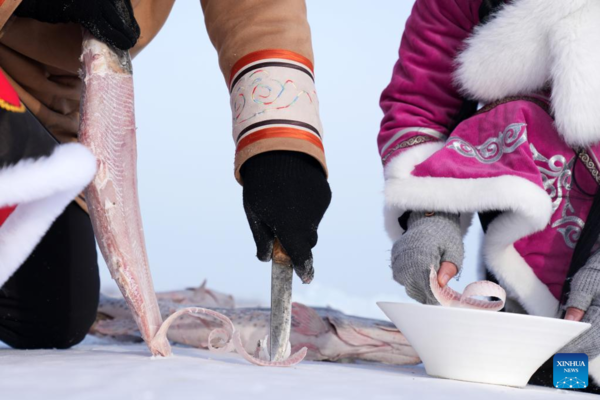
<point>108,130</point>
<point>328,335</point>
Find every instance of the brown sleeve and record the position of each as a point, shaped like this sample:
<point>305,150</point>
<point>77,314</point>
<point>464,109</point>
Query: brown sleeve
<point>7,8</point>
<point>151,15</point>
<point>240,29</point>
<point>59,45</point>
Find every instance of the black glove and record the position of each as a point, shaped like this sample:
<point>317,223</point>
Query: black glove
<point>286,195</point>
<point>111,21</point>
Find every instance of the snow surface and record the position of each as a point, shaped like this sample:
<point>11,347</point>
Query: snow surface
<point>103,369</point>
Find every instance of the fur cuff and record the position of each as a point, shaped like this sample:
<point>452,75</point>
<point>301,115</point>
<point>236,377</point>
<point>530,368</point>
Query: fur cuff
<point>526,207</point>
<point>530,43</point>
<point>41,189</point>
<point>397,169</point>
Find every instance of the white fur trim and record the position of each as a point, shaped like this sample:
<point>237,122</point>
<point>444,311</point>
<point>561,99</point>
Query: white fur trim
<point>575,49</point>
<point>530,43</point>
<point>527,209</point>
<point>41,189</point>
<point>399,168</point>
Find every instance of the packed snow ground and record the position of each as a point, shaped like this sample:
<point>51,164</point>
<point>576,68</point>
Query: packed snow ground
<point>102,369</point>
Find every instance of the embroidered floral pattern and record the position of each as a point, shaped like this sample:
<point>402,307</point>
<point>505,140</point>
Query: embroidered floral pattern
<point>413,141</point>
<point>589,163</point>
<point>492,150</point>
<point>557,175</point>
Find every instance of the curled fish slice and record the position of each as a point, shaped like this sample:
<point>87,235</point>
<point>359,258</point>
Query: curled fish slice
<point>289,362</point>
<point>228,337</point>
<point>485,289</point>
<point>451,298</point>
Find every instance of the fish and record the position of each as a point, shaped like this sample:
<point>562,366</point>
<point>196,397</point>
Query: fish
<point>200,296</point>
<point>107,128</point>
<point>327,334</point>
<point>448,297</point>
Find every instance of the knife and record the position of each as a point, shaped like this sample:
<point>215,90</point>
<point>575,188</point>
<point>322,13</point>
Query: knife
<point>281,302</point>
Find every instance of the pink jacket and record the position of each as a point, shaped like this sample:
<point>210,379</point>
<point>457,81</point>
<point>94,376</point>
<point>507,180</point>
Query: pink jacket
<point>531,153</point>
<point>517,155</point>
<point>421,101</point>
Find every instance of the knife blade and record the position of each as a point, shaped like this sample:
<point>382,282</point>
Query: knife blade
<point>281,302</point>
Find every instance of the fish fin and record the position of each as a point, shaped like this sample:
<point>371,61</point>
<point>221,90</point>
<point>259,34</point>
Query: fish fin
<point>201,287</point>
<point>388,328</point>
<point>312,354</point>
<point>306,321</point>
<point>353,336</point>
<point>395,335</point>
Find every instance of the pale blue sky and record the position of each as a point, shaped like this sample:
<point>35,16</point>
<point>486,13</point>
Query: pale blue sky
<point>192,206</point>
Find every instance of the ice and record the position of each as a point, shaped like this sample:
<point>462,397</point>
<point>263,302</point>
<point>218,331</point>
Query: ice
<point>102,369</point>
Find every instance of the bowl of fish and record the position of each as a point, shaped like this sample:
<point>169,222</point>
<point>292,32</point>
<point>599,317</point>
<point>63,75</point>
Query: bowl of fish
<point>478,345</point>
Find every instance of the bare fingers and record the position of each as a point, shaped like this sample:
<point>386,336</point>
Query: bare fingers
<point>574,314</point>
<point>447,271</point>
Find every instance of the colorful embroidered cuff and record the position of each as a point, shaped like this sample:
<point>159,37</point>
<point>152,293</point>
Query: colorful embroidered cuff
<point>274,106</point>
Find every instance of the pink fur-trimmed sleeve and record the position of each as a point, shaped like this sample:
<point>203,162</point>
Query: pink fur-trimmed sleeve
<point>421,100</point>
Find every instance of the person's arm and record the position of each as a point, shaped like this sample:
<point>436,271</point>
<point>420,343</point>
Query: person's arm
<point>265,54</point>
<point>250,32</point>
<point>151,15</point>
<point>421,100</point>
<point>34,189</point>
<point>583,304</point>
<point>111,21</point>
<point>432,239</point>
<point>237,28</point>
<point>420,106</point>
<point>421,103</point>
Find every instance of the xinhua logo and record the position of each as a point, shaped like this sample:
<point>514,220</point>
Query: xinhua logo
<point>571,371</point>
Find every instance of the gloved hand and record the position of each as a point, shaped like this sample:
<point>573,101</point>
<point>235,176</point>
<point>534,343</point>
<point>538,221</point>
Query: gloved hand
<point>286,195</point>
<point>583,304</point>
<point>431,239</point>
<point>111,21</point>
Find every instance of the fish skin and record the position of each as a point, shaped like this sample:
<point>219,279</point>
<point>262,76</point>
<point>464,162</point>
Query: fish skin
<point>107,128</point>
<point>329,335</point>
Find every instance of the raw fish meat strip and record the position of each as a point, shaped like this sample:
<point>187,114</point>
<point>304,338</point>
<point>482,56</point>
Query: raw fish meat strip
<point>451,298</point>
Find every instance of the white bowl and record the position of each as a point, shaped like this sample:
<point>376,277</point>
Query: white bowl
<point>481,346</point>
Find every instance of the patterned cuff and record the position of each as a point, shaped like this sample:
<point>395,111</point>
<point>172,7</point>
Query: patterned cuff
<point>407,138</point>
<point>274,106</point>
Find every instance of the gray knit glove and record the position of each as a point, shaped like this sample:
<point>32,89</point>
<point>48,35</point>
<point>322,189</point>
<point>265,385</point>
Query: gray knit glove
<point>430,239</point>
<point>585,295</point>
